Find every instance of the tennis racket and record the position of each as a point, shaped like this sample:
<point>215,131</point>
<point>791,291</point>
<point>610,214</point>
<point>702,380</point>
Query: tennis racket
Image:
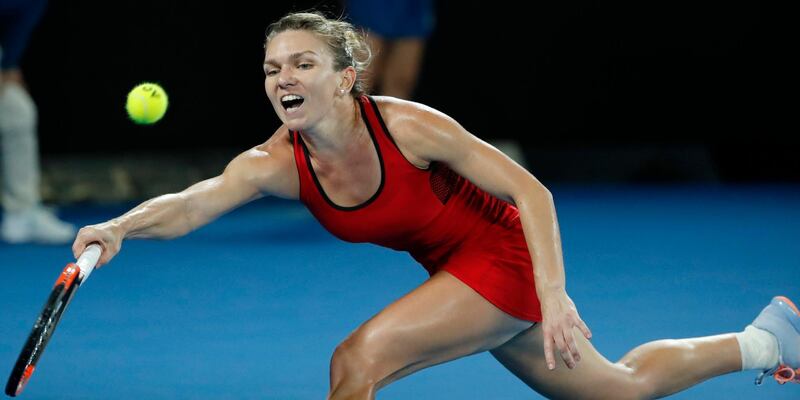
<point>67,284</point>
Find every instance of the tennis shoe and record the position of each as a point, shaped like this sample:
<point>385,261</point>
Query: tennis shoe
<point>781,318</point>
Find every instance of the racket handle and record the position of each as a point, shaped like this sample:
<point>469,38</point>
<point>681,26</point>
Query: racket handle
<point>88,260</point>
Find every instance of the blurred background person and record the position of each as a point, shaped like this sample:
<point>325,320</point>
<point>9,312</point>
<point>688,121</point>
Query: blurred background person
<point>397,31</point>
<point>24,217</point>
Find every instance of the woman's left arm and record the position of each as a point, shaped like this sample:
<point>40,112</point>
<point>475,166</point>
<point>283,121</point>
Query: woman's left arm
<point>432,136</point>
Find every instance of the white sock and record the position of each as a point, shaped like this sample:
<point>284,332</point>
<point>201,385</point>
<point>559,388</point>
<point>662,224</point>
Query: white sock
<point>759,348</point>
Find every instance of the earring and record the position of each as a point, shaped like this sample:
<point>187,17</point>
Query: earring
<point>341,91</point>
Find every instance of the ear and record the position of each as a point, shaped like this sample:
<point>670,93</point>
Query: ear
<point>348,79</point>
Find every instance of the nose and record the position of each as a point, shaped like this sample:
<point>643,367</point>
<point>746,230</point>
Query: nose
<point>286,78</point>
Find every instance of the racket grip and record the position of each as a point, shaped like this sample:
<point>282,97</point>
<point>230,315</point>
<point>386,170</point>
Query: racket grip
<point>88,260</point>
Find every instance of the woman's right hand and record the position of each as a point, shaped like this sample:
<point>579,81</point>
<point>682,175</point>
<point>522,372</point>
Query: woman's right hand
<point>108,235</point>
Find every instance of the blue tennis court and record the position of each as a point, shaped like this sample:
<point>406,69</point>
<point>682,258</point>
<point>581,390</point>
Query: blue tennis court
<point>253,305</point>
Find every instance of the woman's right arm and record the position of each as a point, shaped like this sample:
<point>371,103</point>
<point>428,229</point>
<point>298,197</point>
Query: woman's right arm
<point>256,172</point>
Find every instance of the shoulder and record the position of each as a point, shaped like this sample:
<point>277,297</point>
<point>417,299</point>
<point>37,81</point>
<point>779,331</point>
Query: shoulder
<point>274,151</point>
<point>277,146</point>
<point>268,166</point>
<point>405,114</point>
<point>417,128</point>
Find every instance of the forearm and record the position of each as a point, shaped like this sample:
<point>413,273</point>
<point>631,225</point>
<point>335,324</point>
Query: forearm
<point>559,314</point>
<point>540,225</point>
<point>163,217</point>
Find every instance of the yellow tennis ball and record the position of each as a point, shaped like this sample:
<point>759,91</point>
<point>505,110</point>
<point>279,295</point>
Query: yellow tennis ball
<point>147,103</point>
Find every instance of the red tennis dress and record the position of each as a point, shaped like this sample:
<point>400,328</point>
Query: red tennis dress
<point>442,219</point>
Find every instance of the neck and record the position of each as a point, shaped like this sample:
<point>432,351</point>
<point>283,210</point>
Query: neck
<point>338,132</point>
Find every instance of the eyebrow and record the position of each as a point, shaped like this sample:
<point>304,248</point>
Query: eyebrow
<point>293,56</point>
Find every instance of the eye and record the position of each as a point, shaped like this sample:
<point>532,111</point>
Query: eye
<point>305,66</point>
<point>271,72</point>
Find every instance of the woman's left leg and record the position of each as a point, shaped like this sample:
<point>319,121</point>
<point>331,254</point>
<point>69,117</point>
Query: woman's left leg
<point>653,370</point>
<point>770,344</point>
<point>439,321</point>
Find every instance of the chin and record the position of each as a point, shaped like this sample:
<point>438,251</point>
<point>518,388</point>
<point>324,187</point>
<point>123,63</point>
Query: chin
<point>295,124</point>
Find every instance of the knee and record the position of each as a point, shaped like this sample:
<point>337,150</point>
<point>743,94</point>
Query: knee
<point>355,367</point>
<point>642,362</point>
<point>351,360</point>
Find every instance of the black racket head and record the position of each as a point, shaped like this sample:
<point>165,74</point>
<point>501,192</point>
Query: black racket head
<point>43,329</point>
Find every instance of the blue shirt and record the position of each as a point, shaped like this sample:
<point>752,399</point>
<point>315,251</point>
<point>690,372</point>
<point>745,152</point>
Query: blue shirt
<point>393,19</point>
<point>17,20</point>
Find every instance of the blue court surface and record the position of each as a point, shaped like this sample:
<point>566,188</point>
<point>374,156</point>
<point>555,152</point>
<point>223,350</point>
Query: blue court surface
<point>253,305</point>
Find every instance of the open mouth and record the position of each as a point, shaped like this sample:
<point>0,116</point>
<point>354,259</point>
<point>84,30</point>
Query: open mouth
<point>292,102</point>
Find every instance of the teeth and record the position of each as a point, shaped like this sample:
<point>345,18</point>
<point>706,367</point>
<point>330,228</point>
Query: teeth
<point>290,97</point>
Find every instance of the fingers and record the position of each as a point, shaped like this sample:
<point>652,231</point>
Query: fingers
<point>106,256</point>
<point>560,320</point>
<point>80,243</point>
<point>569,336</point>
<point>585,329</point>
<point>563,347</point>
<point>548,351</point>
<point>88,235</point>
<point>572,348</point>
<point>77,248</point>
<point>565,344</point>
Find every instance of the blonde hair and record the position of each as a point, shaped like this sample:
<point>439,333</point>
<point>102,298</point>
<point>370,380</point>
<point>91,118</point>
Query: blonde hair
<point>347,45</point>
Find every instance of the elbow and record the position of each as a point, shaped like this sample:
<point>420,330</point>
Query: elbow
<point>543,190</point>
<point>548,194</point>
<point>535,193</point>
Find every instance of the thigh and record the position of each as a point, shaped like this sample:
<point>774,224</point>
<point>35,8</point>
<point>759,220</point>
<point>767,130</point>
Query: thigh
<point>594,377</point>
<point>441,320</point>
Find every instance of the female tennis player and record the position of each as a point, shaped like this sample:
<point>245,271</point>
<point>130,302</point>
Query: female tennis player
<point>405,176</point>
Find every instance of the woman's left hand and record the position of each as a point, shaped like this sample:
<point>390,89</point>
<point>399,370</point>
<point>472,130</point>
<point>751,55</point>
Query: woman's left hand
<point>559,318</point>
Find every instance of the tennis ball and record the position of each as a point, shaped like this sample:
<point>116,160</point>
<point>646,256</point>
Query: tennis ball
<point>147,103</point>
